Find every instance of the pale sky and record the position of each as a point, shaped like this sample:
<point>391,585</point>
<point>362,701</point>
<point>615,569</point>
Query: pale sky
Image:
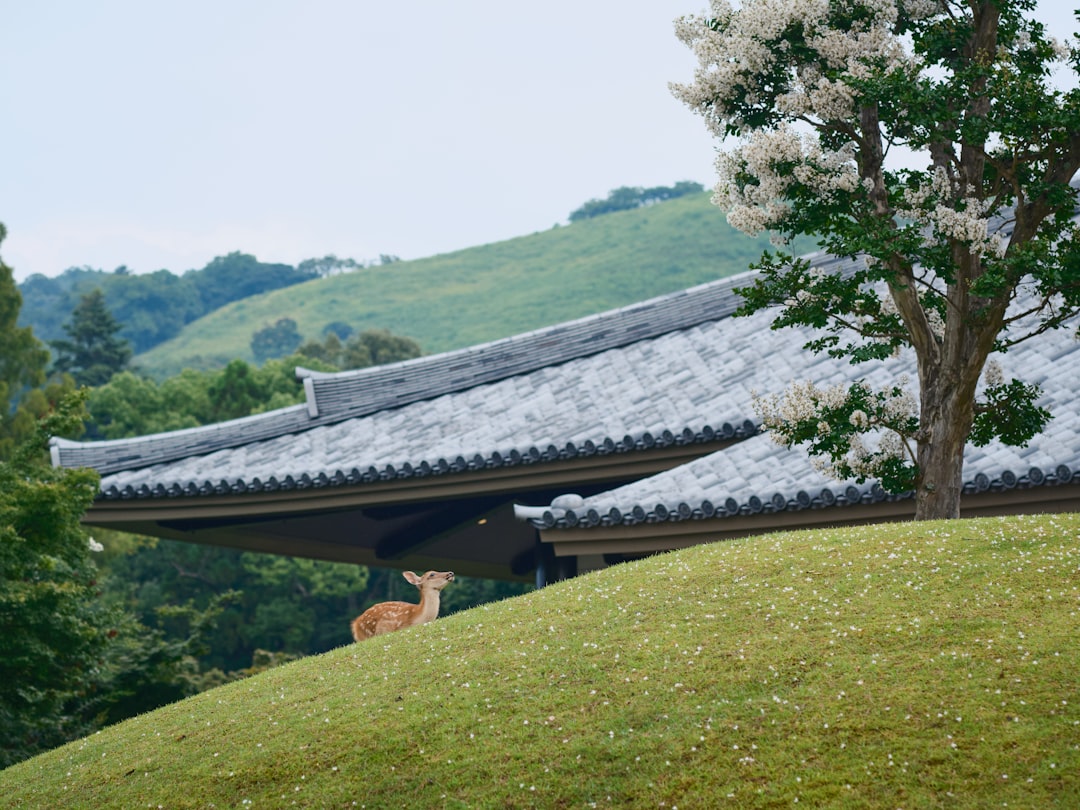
<point>160,135</point>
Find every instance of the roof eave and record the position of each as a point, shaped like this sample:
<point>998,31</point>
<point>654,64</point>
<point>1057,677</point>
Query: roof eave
<point>644,538</point>
<point>538,475</point>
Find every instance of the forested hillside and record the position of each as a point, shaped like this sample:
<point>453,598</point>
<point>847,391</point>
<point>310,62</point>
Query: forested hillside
<point>630,246</point>
<point>153,307</point>
<point>487,292</point>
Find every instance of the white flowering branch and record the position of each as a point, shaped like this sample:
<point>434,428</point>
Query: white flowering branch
<point>851,431</point>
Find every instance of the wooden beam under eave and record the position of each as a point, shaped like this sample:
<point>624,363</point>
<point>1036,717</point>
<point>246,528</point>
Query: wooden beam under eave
<point>409,539</point>
<point>266,542</point>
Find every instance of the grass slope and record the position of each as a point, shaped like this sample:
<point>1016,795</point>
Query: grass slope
<point>492,291</point>
<point>904,665</point>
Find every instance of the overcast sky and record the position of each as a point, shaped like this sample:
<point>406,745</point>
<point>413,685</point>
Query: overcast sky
<point>159,135</point>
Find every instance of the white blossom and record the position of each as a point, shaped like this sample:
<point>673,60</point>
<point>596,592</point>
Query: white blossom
<point>740,46</point>
<point>876,441</point>
<point>1062,51</point>
<point>935,322</point>
<point>736,49</point>
<point>993,373</point>
<point>900,404</point>
<point>948,210</point>
<point>921,9</point>
<point>859,419</point>
<point>775,159</point>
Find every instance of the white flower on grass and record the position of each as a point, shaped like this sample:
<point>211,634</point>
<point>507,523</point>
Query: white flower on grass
<point>95,546</point>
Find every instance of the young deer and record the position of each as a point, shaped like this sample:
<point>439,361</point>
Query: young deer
<point>386,617</point>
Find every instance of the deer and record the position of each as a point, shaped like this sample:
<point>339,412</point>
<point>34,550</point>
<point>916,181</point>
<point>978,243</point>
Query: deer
<point>386,617</point>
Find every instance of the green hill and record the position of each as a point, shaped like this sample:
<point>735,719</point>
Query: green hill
<point>903,665</point>
<point>484,293</point>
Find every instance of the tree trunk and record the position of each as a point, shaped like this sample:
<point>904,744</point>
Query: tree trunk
<point>946,415</point>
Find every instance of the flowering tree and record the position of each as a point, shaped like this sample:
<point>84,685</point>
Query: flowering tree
<point>823,96</point>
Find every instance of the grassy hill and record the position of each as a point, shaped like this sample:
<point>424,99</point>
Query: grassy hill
<point>904,665</point>
<point>484,293</point>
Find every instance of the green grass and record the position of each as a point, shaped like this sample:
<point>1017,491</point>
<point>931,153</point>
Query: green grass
<point>492,291</point>
<point>904,665</point>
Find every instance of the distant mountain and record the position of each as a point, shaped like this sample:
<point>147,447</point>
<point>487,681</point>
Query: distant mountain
<point>483,293</point>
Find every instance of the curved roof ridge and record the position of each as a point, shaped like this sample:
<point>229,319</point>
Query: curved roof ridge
<point>344,394</point>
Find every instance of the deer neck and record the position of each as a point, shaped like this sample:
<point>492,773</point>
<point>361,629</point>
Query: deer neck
<point>429,606</point>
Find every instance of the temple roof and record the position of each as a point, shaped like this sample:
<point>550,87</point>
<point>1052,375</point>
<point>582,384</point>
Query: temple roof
<point>654,399</point>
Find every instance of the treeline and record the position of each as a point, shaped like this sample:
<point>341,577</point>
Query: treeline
<point>627,198</point>
<point>153,307</point>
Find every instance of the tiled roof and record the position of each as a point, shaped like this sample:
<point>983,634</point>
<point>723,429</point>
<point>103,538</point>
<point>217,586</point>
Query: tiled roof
<point>759,476</point>
<point>333,398</point>
<point>631,379</point>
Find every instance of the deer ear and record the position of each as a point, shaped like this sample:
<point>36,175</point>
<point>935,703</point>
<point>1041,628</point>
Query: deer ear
<point>411,577</point>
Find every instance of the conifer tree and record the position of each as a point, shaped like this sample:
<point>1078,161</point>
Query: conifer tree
<point>93,352</point>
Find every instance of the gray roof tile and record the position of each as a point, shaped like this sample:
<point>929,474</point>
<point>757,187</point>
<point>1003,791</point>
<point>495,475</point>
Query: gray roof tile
<point>760,469</point>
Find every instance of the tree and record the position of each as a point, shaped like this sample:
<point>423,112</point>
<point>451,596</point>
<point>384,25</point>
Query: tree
<point>339,328</point>
<point>626,198</point>
<point>329,265</point>
<point>277,340</point>
<point>48,301</point>
<point>329,351</point>
<point>236,392</point>
<point>821,95</point>
<point>153,307</point>
<point>130,405</point>
<point>372,347</point>
<point>239,275</point>
<point>22,357</point>
<point>94,353</point>
<point>382,346</point>
<point>54,636</point>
